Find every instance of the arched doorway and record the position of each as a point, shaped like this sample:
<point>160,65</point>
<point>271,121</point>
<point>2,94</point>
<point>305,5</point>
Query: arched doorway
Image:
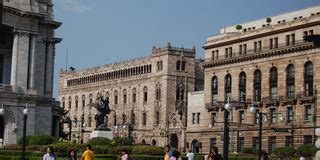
<point>154,142</point>
<point>143,141</point>
<point>195,146</point>
<point>174,140</point>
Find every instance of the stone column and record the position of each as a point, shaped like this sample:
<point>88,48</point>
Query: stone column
<point>14,62</point>
<point>49,69</point>
<point>32,70</point>
<point>318,143</point>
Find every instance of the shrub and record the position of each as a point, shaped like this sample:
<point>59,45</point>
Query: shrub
<point>307,150</point>
<point>249,150</point>
<point>121,141</point>
<point>118,149</point>
<point>284,152</point>
<point>38,140</point>
<point>12,147</point>
<point>65,147</point>
<point>147,150</point>
<point>101,149</point>
<point>99,141</point>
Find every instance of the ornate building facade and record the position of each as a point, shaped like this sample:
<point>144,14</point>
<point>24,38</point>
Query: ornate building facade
<point>27,50</point>
<point>149,94</point>
<point>271,64</point>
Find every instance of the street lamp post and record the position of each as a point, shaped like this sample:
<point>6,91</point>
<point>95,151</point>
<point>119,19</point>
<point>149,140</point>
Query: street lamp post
<point>228,108</point>
<point>25,116</point>
<point>261,114</point>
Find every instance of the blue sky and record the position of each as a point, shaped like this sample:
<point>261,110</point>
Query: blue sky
<point>98,32</point>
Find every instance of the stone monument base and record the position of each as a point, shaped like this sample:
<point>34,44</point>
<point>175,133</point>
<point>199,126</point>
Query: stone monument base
<point>101,133</point>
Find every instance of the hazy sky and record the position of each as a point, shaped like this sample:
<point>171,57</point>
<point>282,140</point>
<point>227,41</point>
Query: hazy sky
<point>98,32</point>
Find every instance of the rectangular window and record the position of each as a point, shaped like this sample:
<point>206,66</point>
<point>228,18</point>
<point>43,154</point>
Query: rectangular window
<point>125,98</point>
<point>270,43</point>
<point>272,144</point>
<point>255,45</point>
<point>230,51</point>
<point>287,40</point>
<point>308,113</point>
<point>226,52</point>
<point>69,105</point>
<point>77,104</point>
<point>83,104</point>
<point>213,142</point>
<point>310,32</point>
<point>291,91</point>
<point>307,139</point>
<point>276,42</point>
<point>193,118</point>
<point>213,119</point>
<point>259,45</point>
<point>134,97</point>
<point>274,93</point>
<point>305,33</point>
<point>245,49</point>
<point>217,54</point>
<point>198,118</point>
<point>213,55</point>
<point>115,99</point>
<point>240,49</point>
<point>273,115</point>
<point>241,144</point>
<point>255,143</point>
<point>289,141</point>
<point>293,39</point>
<point>241,116</point>
<point>289,114</point>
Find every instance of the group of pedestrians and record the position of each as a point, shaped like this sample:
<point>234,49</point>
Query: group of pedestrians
<point>86,155</point>
<point>72,154</point>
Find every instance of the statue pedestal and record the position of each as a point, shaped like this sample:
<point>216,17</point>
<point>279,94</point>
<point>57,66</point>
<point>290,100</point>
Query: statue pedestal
<point>101,133</point>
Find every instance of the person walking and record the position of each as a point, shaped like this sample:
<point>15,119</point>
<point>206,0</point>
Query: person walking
<point>125,154</point>
<point>215,154</point>
<point>190,155</point>
<point>72,155</point>
<point>168,153</point>
<point>50,155</point>
<point>88,154</point>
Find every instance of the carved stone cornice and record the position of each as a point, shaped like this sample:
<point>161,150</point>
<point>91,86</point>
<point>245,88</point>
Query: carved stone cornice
<point>299,46</point>
<point>21,13</point>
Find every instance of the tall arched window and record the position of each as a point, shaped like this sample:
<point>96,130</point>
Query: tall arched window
<point>183,65</point>
<point>227,86</point>
<point>83,102</point>
<point>124,119</point>
<point>257,85</point>
<point>273,83</point>
<point>134,95</point>
<point>242,87</point>
<point>158,94</point>
<point>107,96</point>
<point>76,101</point>
<point>178,65</point>
<point>145,94</point>
<point>89,122</point>
<point>133,118</point>
<point>214,89</point>
<point>69,103</point>
<point>90,100</point>
<point>308,78</point>
<point>115,97</point>
<point>124,96</point>
<point>144,118</point>
<point>157,117</point>
<point>290,81</point>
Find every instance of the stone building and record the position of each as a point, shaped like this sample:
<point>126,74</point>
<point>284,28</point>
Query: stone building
<point>148,93</point>
<point>271,64</point>
<point>27,50</point>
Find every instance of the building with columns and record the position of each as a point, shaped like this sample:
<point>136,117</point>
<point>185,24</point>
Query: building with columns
<point>147,93</point>
<point>270,63</point>
<point>27,52</point>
